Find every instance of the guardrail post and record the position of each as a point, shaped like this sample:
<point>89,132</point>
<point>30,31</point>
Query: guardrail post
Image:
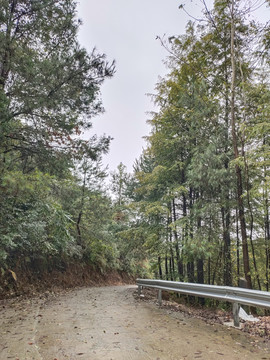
<point>159,297</point>
<point>231,294</point>
<point>236,308</point>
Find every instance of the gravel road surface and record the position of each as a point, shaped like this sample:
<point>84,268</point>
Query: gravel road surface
<point>108,323</point>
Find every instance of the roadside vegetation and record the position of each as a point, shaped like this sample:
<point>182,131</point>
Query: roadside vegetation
<point>195,208</point>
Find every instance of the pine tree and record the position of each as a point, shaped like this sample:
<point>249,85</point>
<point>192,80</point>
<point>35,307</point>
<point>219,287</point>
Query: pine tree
<point>49,84</point>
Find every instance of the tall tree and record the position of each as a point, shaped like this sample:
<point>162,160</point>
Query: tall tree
<point>202,146</point>
<point>49,93</point>
<point>49,84</point>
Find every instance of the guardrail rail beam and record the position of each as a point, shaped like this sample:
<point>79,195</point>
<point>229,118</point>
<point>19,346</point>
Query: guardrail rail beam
<point>234,295</point>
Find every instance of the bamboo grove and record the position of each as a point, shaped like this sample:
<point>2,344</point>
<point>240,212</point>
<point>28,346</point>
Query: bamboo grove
<point>201,187</point>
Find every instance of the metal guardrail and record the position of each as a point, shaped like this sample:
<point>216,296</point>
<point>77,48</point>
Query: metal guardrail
<point>234,295</point>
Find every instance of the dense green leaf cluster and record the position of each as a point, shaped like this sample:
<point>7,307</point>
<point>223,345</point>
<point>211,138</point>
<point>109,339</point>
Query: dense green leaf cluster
<point>54,211</point>
<point>201,188</point>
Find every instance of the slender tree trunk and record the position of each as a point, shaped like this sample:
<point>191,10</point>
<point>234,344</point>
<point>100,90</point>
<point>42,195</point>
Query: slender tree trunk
<point>166,267</point>
<point>79,234</point>
<point>178,258</point>
<point>247,183</point>
<point>184,229</point>
<point>217,265</point>
<point>200,277</point>
<point>267,245</point>
<point>226,211</point>
<point>237,248</point>
<point>190,264</point>
<point>227,275</point>
<point>200,262</point>
<point>209,258</point>
<point>266,230</point>
<point>172,268</point>
<point>251,224</point>
<point>209,271</point>
<point>78,222</point>
<point>236,156</point>
<point>267,238</point>
<point>159,267</point>
<point>200,271</point>
<point>190,271</point>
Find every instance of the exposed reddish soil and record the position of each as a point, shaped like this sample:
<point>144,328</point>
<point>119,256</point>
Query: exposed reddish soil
<point>29,283</point>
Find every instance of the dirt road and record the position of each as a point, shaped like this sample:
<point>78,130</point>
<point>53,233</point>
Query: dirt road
<point>109,323</point>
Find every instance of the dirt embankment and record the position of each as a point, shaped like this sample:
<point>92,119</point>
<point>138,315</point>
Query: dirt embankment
<point>28,282</point>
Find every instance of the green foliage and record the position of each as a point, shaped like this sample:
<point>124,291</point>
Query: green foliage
<point>54,210</point>
<point>189,197</point>
<point>32,224</point>
<point>49,85</point>
<point>178,215</point>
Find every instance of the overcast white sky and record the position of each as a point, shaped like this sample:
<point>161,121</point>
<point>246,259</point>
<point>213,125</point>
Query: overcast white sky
<point>126,30</point>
